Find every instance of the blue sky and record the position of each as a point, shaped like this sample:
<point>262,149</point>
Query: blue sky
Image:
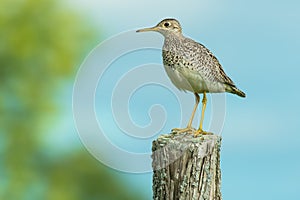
<point>258,43</point>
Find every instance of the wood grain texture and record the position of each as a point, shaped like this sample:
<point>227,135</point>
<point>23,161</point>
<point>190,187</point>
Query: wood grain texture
<point>186,167</point>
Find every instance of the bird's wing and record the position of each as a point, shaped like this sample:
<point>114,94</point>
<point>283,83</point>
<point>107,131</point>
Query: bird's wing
<point>208,62</point>
<point>223,78</point>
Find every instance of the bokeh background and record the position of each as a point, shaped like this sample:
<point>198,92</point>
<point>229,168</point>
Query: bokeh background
<point>43,43</point>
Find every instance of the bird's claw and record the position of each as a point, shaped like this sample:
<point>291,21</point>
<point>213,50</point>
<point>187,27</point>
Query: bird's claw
<point>201,132</point>
<point>183,130</point>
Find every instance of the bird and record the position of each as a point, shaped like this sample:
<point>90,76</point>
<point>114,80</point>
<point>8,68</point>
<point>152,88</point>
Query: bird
<point>191,67</point>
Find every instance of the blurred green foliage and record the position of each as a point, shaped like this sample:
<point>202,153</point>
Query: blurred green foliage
<point>41,46</point>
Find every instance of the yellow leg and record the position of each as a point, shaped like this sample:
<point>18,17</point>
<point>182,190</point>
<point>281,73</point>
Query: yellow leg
<point>197,100</point>
<point>200,130</point>
<point>189,126</point>
<point>204,101</point>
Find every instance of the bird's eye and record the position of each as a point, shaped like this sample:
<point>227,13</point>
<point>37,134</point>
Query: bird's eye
<point>166,24</point>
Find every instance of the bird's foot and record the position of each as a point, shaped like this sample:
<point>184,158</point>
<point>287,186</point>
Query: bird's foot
<point>201,132</point>
<point>183,130</point>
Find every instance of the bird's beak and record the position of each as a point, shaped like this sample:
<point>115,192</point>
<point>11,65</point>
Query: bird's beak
<point>155,28</point>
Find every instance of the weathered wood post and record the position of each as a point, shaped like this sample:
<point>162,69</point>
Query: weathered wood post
<point>186,167</point>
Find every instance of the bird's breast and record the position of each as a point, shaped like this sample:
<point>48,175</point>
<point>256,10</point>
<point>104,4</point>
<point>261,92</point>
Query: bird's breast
<point>177,78</point>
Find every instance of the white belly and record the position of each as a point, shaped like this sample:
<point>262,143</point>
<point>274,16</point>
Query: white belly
<point>188,80</point>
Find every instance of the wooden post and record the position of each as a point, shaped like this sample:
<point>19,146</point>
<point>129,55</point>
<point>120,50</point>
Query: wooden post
<point>186,167</point>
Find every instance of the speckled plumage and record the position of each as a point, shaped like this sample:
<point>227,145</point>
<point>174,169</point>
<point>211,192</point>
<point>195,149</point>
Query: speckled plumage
<point>191,67</point>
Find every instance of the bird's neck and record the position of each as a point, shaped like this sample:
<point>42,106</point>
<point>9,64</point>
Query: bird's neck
<point>172,41</point>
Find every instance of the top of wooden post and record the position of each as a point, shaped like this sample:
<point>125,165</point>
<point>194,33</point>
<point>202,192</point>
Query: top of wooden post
<point>180,143</point>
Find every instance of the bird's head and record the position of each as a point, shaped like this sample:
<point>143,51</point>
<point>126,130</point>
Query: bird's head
<point>165,27</point>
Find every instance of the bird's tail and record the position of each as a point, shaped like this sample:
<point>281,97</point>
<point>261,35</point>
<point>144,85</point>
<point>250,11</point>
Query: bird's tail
<point>236,91</point>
